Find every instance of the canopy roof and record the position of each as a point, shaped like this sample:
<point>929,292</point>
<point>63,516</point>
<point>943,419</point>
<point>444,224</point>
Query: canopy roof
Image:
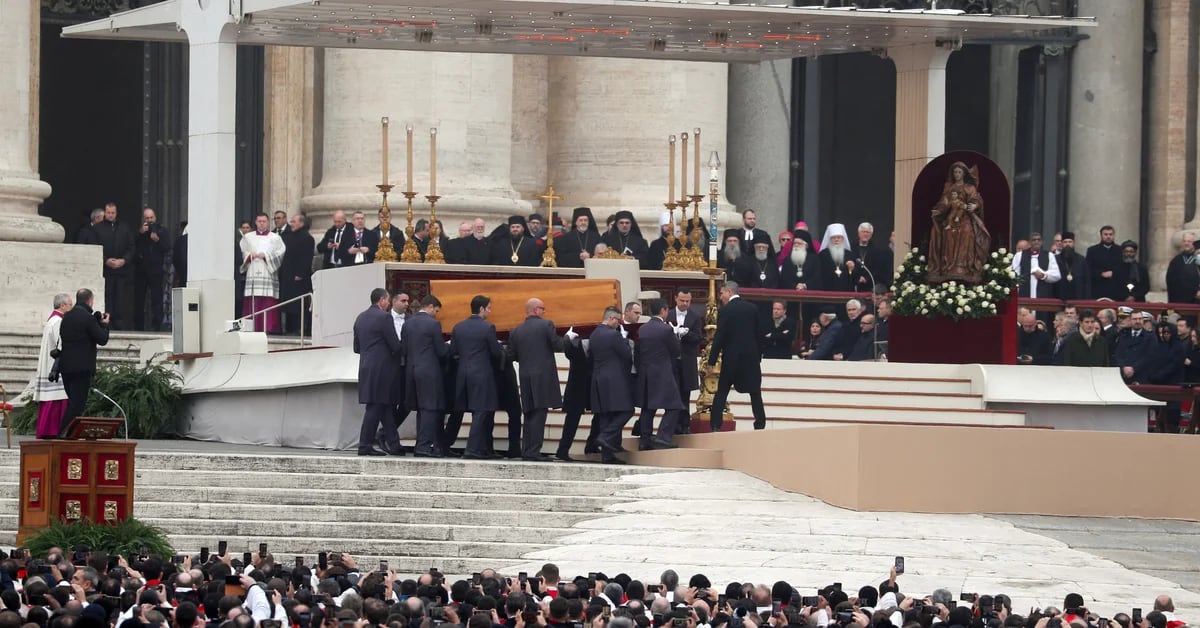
<point>647,29</point>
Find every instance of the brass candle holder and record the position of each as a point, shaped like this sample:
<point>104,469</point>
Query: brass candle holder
<point>671,258</point>
<point>411,253</point>
<point>693,251</point>
<point>549,256</point>
<point>386,252</point>
<point>433,253</point>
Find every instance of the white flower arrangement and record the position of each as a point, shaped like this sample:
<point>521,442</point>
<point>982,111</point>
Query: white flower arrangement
<point>953,299</point>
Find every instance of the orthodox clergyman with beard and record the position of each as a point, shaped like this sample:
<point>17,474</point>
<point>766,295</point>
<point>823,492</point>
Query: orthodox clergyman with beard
<point>517,248</point>
<point>626,239</point>
<point>731,259</point>
<point>1135,281</point>
<point>800,271</point>
<point>577,245</point>
<point>1076,281</point>
<point>836,261</point>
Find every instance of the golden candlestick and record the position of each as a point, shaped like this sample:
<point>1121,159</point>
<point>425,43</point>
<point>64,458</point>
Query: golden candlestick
<point>433,253</point>
<point>549,258</point>
<point>411,253</point>
<point>671,257</point>
<point>692,255</point>
<point>386,252</point>
<point>709,380</point>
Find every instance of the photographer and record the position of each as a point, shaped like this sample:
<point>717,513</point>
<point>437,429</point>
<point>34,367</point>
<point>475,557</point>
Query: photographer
<point>82,330</point>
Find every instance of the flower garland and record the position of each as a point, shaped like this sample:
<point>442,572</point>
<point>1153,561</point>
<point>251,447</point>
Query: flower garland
<point>953,299</point>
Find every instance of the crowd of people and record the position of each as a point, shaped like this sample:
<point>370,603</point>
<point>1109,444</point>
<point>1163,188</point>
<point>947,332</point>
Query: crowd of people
<point>217,590</point>
<point>624,363</point>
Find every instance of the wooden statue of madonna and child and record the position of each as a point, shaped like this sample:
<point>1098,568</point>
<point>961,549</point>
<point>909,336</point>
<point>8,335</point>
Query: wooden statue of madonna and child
<point>956,284</point>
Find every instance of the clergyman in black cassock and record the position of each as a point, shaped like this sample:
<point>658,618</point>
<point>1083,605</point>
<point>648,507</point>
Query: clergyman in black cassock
<point>513,246</point>
<point>580,242</point>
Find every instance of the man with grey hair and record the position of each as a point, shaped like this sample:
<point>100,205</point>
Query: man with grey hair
<point>873,264</point>
<point>620,622</point>
<point>87,235</point>
<point>612,594</point>
<point>851,330</point>
<point>736,342</point>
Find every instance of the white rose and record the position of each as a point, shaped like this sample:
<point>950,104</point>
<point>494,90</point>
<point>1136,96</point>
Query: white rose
<point>994,256</point>
<point>925,310</point>
<point>922,258</point>
<point>959,310</point>
<point>967,308</point>
<point>1004,251</point>
<point>915,250</point>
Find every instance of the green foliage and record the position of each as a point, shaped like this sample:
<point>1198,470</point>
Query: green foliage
<point>125,538</point>
<point>150,394</point>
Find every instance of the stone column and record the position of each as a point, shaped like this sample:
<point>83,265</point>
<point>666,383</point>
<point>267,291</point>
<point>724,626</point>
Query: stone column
<point>530,102</point>
<point>1003,94</point>
<point>760,140</point>
<point>1169,83</point>
<point>1105,144</point>
<point>21,191</point>
<point>467,97</point>
<point>920,126</point>
<point>608,133</point>
<point>288,105</point>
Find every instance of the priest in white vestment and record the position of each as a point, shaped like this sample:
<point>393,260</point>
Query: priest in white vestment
<point>50,396</point>
<point>262,252</point>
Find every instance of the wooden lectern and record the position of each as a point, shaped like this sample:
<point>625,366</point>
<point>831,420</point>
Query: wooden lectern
<point>73,479</point>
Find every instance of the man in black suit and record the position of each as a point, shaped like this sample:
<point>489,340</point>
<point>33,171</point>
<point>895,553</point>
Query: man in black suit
<point>682,316</point>
<point>1183,276</point>
<point>295,273</point>
<point>377,347</point>
<point>362,247</point>
<point>749,233</point>
<point>656,355</point>
<point>1134,352</point>
<point>577,396</point>
<point>425,355</point>
<point>151,246</point>
<point>333,246</point>
<point>118,254</point>
<point>612,390</point>
<point>533,344</point>
<point>736,343</point>
<point>80,333</point>
<point>474,342</point>
<point>781,332</point>
<point>873,264</point>
<point>455,251</point>
<point>1076,281</point>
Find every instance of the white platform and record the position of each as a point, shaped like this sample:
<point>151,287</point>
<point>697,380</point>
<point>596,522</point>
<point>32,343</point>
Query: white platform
<point>308,398</point>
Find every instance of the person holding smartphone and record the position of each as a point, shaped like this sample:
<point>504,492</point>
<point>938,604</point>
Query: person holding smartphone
<point>81,332</point>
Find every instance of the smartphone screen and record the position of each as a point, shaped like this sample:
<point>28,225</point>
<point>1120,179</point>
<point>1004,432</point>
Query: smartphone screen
<point>203,555</point>
<point>476,578</point>
<point>323,560</point>
<point>522,577</point>
<point>899,564</point>
<point>383,566</point>
<point>776,606</point>
<point>837,586</point>
<point>967,597</point>
<point>262,550</point>
<point>808,600</point>
<point>247,558</point>
<point>299,561</point>
<point>221,547</point>
<point>1137,616</point>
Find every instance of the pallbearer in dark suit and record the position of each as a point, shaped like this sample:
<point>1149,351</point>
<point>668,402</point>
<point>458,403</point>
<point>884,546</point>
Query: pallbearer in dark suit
<point>577,395</point>
<point>612,393</point>
<point>362,244</point>
<point>474,342</point>
<point>533,344</point>
<point>656,354</point>
<point>736,343</point>
<point>425,354</point>
<point>376,344</point>
<point>80,332</point>
<point>682,316</point>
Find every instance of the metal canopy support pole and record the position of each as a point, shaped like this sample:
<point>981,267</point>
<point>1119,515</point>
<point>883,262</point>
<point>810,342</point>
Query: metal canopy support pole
<point>920,127</point>
<point>212,102</point>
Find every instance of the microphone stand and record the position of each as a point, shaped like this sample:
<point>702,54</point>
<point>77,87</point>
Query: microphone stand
<point>874,311</point>
<point>124,417</point>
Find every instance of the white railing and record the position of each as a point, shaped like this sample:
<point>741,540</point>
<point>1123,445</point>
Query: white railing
<point>305,307</point>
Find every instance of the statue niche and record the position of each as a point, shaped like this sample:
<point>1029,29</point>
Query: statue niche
<point>958,240</point>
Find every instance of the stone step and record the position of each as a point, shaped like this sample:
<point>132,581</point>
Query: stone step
<point>272,480</point>
<point>361,546</point>
<point>778,414</point>
<point>923,399</point>
<point>361,515</point>
<point>403,468</point>
<point>350,496</point>
<point>854,383</point>
<point>270,529</point>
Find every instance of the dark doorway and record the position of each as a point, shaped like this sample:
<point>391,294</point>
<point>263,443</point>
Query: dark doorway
<point>968,102</point>
<point>90,135</point>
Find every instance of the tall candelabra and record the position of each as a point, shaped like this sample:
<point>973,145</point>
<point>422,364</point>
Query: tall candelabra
<point>433,253</point>
<point>386,252</point>
<point>709,380</point>
<point>411,253</point>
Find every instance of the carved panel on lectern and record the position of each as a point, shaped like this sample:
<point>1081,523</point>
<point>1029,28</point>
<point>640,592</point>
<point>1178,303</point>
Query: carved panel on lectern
<point>74,468</point>
<point>74,510</point>
<point>35,489</point>
<point>110,510</point>
<point>112,470</point>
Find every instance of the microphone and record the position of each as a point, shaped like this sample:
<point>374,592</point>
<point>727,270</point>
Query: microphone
<point>875,311</point>
<point>124,417</point>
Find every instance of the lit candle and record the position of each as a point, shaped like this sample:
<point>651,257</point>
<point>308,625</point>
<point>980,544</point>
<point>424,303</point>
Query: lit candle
<point>408,182</point>
<point>433,161</point>
<point>671,172</point>
<point>385,150</point>
<point>683,165</point>
<point>696,143</point>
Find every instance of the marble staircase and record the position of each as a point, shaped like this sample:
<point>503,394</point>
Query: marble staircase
<point>459,516</point>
